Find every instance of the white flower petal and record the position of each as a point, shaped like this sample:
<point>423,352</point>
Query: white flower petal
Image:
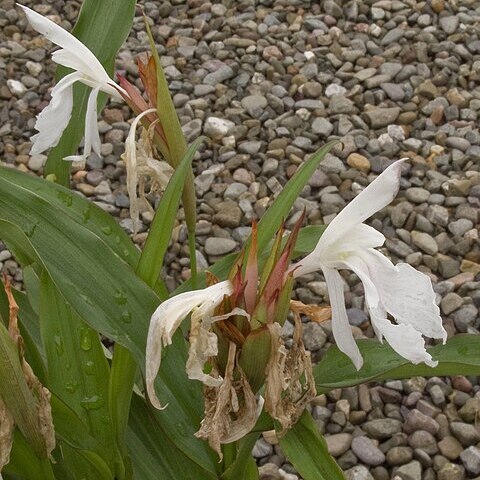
<point>406,341</point>
<point>165,321</point>
<point>375,197</point>
<point>359,237</point>
<point>74,50</point>
<point>54,118</point>
<point>341,329</point>
<point>92,137</point>
<point>406,294</point>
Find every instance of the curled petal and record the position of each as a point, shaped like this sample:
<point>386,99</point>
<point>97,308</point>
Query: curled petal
<point>341,329</point>
<point>406,341</point>
<point>130,158</point>
<point>54,118</point>
<point>168,317</point>
<point>406,294</point>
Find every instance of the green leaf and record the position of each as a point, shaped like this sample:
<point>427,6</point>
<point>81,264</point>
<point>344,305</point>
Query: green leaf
<point>24,464</point>
<point>306,449</point>
<point>78,371</point>
<point>102,26</point>
<point>458,357</point>
<point>244,465</point>
<point>105,292</point>
<point>177,147</point>
<point>79,209</point>
<point>78,447</point>
<point>151,260</point>
<point>153,454</point>
<point>273,217</point>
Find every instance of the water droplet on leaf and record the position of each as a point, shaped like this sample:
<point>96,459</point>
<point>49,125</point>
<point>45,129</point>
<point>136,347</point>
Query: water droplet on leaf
<point>92,403</point>
<point>86,340</point>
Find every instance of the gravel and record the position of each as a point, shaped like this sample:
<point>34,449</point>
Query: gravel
<point>268,85</point>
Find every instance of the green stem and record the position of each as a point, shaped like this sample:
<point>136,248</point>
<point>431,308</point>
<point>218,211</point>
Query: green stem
<point>193,258</point>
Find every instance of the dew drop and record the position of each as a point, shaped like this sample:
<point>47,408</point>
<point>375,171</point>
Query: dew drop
<point>87,214</point>
<point>86,340</point>
<point>30,230</point>
<point>120,297</point>
<point>117,239</point>
<point>92,403</point>
<point>107,230</point>
<point>89,367</point>
<point>65,198</point>
<point>181,429</point>
<point>126,317</point>
<point>71,387</point>
<point>57,340</point>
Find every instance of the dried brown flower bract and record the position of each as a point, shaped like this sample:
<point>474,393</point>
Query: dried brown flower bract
<point>230,409</point>
<point>7,426</point>
<point>44,421</point>
<point>290,384</point>
<point>315,313</point>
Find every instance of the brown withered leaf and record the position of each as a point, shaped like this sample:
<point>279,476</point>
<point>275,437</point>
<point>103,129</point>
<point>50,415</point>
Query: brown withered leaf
<point>42,395</point>
<point>230,409</point>
<point>289,385</point>
<point>315,313</point>
<point>7,426</point>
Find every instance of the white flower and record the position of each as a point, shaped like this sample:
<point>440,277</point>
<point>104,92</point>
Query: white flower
<point>400,290</point>
<point>168,317</point>
<point>54,118</point>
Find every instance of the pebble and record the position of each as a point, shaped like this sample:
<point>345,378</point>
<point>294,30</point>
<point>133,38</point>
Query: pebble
<point>217,128</point>
<point>219,246</point>
<point>367,451</point>
<point>338,444</point>
<point>381,117</point>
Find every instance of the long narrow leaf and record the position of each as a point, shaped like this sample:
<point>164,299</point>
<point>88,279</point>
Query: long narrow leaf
<point>78,371</point>
<point>153,454</point>
<point>151,260</point>
<point>458,357</point>
<point>102,26</point>
<point>306,449</point>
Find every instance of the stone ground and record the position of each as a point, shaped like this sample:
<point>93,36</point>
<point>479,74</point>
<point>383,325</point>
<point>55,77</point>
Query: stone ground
<point>268,83</point>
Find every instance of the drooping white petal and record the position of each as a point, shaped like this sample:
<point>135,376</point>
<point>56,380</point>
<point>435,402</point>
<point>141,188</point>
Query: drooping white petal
<point>130,158</point>
<point>406,294</point>
<point>74,50</point>
<point>165,321</point>
<point>54,118</point>
<point>340,326</point>
<point>406,341</point>
<point>92,137</point>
